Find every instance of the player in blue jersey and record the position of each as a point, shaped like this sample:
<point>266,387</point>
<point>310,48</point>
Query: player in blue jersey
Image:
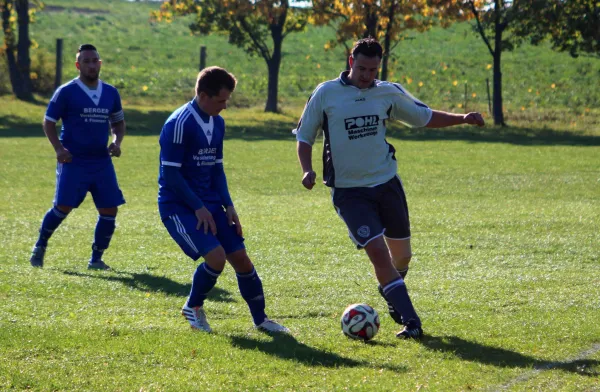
<point>360,167</point>
<point>89,108</point>
<point>194,201</point>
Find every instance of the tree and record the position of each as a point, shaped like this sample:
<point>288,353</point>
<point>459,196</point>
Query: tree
<point>572,26</point>
<point>257,26</point>
<point>386,20</point>
<point>19,66</point>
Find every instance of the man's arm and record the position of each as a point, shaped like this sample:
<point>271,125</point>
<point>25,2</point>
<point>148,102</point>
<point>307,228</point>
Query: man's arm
<point>118,132</point>
<point>305,157</point>
<point>441,119</point>
<point>176,183</point>
<point>62,154</point>
<point>306,133</point>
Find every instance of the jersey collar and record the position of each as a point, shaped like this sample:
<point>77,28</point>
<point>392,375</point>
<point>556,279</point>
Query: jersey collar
<point>93,94</point>
<point>199,115</point>
<point>346,82</point>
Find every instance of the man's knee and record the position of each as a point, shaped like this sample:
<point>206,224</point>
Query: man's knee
<point>216,258</point>
<point>378,252</point>
<point>240,261</point>
<point>108,211</point>
<point>64,209</point>
<point>402,259</point>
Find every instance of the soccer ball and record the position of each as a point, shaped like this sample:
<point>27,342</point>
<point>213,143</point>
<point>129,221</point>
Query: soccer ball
<point>360,321</point>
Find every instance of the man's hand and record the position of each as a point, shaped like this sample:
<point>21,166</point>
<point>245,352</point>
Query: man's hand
<point>205,219</point>
<point>63,155</point>
<point>474,118</point>
<point>114,150</point>
<point>308,180</point>
<point>233,219</point>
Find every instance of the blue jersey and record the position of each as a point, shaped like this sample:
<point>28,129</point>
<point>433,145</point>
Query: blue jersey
<point>85,115</point>
<point>193,141</point>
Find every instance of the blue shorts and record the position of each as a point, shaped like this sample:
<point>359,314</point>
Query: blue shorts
<point>75,179</point>
<point>371,212</point>
<point>181,223</point>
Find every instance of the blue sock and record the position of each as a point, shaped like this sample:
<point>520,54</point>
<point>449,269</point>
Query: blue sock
<point>203,281</point>
<point>51,221</point>
<point>105,227</point>
<point>252,291</point>
<point>397,294</point>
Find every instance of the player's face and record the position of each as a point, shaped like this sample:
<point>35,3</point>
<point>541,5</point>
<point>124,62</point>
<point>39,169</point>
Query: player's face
<point>213,105</point>
<point>363,70</point>
<point>88,64</point>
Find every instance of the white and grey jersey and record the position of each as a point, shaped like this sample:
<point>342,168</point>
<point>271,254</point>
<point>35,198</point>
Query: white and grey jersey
<point>356,153</point>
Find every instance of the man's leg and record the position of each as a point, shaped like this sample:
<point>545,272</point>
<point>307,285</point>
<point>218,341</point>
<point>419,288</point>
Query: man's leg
<point>251,289</point>
<point>107,197</point>
<point>400,253</point>
<point>53,218</point>
<point>205,277</point>
<point>393,287</point>
<point>105,228</point>
<point>249,283</point>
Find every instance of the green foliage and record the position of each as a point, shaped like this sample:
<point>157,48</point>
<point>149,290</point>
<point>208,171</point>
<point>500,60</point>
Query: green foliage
<point>572,26</point>
<point>43,70</point>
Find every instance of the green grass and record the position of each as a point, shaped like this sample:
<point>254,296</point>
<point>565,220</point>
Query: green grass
<point>505,271</point>
<point>164,58</point>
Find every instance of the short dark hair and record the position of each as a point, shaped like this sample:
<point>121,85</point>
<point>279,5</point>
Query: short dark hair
<point>212,79</point>
<point>368,47</point>
<point>83,47</point>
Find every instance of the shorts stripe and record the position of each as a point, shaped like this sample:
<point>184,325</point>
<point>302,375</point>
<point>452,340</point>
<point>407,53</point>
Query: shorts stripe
<point>181,230</point>
<point>59,169</point>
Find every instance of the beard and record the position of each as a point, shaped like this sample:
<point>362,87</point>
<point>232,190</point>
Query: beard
<point>91,77</point>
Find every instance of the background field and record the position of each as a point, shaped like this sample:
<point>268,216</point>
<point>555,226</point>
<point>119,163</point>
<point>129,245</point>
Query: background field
<point>505,273</point>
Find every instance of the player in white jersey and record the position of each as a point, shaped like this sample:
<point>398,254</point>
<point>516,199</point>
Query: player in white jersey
<point>88,108</point>
<point>360,167</point>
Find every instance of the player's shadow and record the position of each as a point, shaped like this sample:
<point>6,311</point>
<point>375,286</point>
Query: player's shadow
<point>495,356</point>
<point>160,284</point>
<point>287,347</point>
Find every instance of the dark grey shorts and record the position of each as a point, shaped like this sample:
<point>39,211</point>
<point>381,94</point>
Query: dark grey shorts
<point>371,212</point>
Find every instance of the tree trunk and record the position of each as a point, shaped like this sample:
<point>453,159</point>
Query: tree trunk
<point>273,65</point>
<point>387,41</point>
<point>497,98</point>
<point>371,21</point>
<point>10,47</point>
<point>19,68</point>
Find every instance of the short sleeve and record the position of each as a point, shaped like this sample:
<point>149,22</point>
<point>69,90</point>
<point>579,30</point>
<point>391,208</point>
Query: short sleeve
<point>171,142</point>
<point>311,120</point>
<point>409,110</point>
<point>56,107</point>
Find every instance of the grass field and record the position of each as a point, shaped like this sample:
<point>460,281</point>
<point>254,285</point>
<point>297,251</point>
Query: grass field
<point>505,270</point>
<point>506,267</point>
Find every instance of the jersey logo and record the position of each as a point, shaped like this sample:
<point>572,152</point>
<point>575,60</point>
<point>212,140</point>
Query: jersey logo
<point>363,126</point>
<point>363,231</point>
<point>360,99</point>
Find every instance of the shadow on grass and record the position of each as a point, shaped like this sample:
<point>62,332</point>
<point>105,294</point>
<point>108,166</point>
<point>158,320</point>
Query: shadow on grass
<point>476,352</point>
<point>287,347</point>
<point>160,284</point>
<point>149,123</point>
